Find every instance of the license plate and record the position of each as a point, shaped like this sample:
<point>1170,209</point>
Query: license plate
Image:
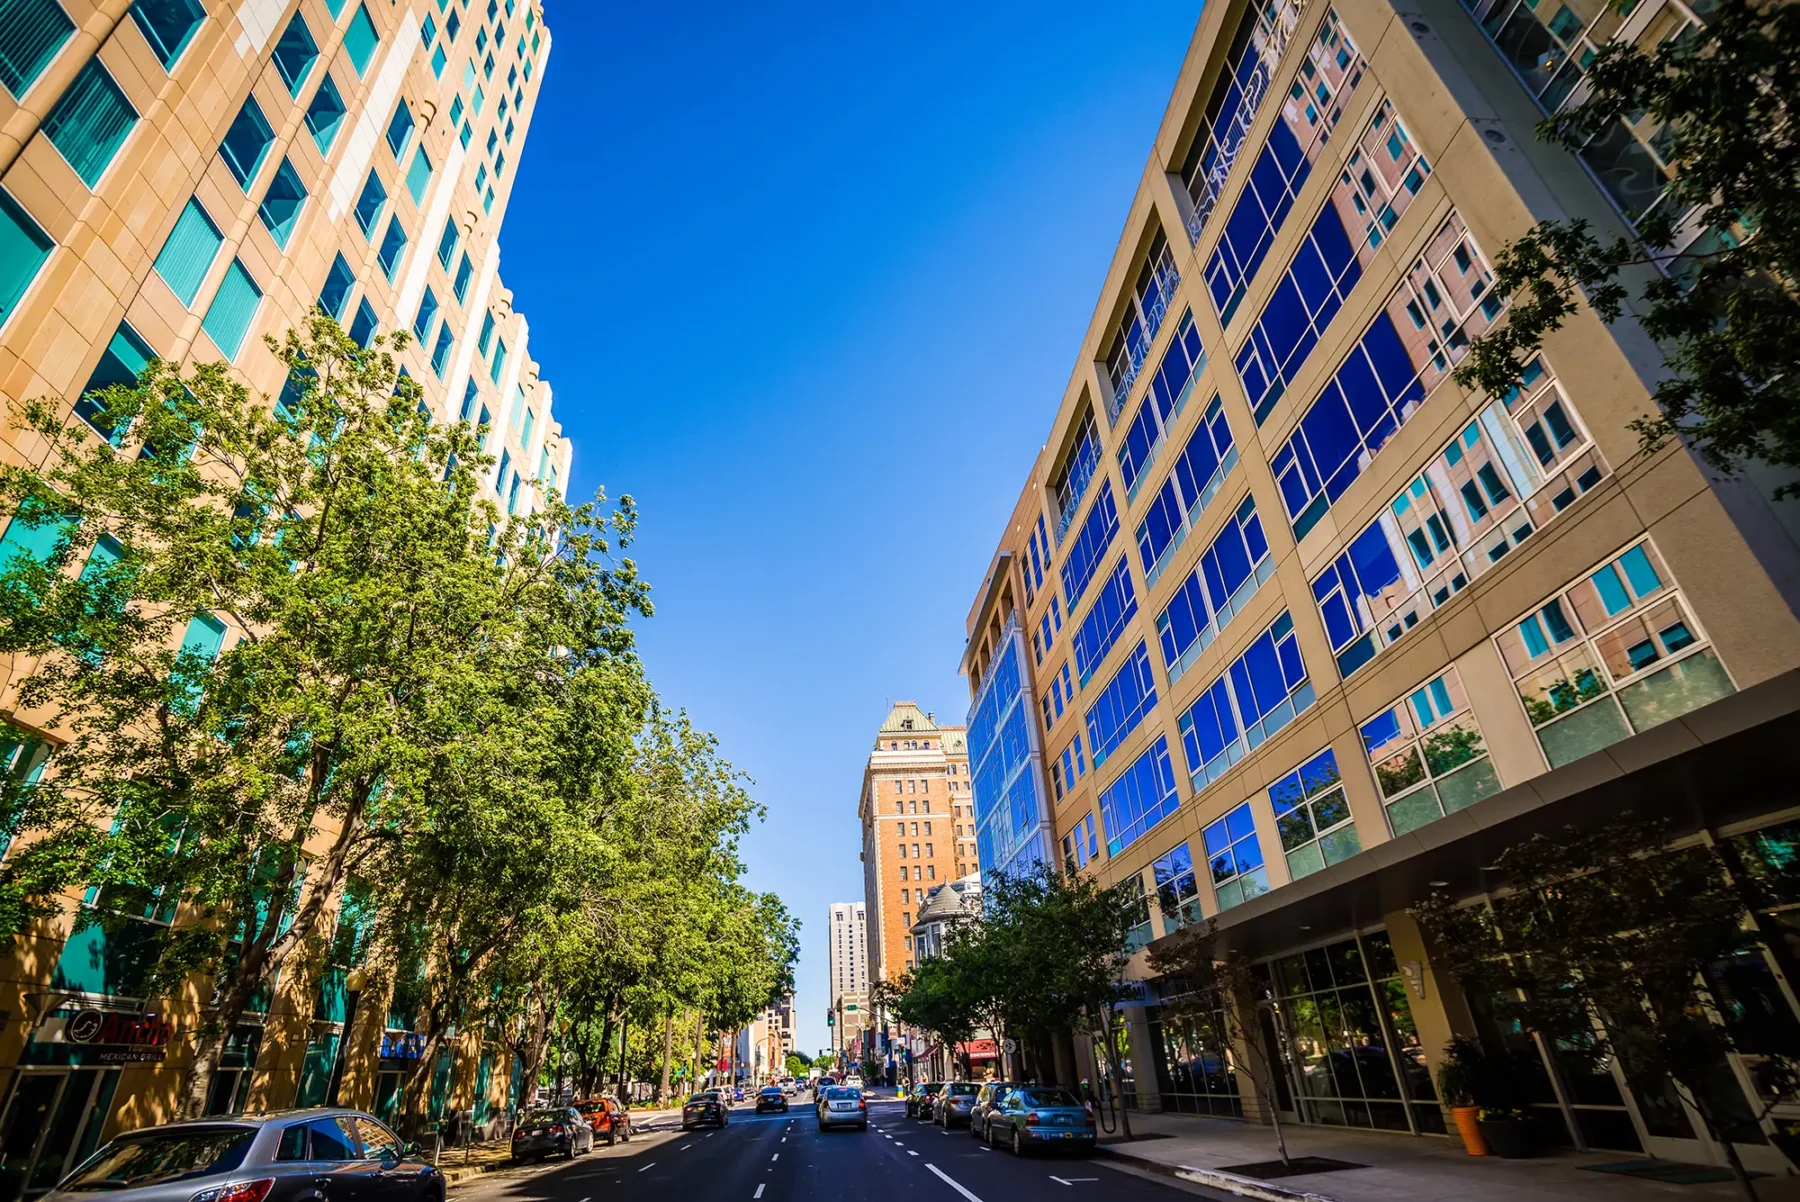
<point>1062,1134</point>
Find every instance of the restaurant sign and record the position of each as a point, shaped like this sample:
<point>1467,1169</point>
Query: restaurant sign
<point>119,1038</point>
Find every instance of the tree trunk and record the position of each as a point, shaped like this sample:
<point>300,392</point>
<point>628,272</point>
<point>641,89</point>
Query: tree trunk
<point>699,1045</point>
<point>1116,1064</point>
<point>624,1055</point>
<point>662,1087</point>
<point>1745,1185</point>
<point>267,950</point>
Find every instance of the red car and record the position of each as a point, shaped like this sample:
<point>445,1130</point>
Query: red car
<point>610,1121</point>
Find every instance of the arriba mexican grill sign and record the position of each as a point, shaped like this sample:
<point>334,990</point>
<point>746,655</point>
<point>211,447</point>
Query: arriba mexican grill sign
<point>120,1038</point>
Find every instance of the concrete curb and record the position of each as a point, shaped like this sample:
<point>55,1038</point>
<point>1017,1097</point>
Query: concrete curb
<point>1243,1187</point>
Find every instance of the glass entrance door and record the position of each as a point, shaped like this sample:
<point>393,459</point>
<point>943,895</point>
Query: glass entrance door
<point>51,1122</point>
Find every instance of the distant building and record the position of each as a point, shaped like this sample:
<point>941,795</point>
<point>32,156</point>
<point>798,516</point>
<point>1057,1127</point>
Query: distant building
<point>849,942</point>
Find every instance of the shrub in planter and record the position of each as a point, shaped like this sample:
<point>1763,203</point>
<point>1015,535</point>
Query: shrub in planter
<point>1459,1072</point>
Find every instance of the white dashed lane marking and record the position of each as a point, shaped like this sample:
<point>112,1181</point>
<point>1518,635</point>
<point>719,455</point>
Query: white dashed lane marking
<point>648,1167</point>
<point>758,1193</point>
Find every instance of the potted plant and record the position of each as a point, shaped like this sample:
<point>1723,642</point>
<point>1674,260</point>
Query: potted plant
<point>1459,1072</point>
<point>1505,1123</point>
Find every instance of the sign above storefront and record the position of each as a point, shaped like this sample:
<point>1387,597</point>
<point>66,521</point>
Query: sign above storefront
<point>402,1045</point>
<point>117,1038</point>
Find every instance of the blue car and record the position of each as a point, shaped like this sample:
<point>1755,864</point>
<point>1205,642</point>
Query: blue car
<point>1041,1116</point>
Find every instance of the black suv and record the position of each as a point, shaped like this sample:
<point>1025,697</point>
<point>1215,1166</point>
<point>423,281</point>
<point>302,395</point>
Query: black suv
<point>285,1156</point>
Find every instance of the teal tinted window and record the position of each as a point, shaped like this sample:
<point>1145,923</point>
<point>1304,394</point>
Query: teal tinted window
<point>362,330</point>
<point>295,54</point>
<point>360,40</point>
<point>90,122</point>
<point>205,635</point>
<point>339,283</point>
<point>168,25</point>
<point>246,142</point>
<point>31,32</point>
<point>1639,572</point>
<point>23,248</point>
<point>487,333</point>
<point>233,308</point>
<point>447,242</point>
<point>33,539</point>
<point>393,248</point>
<point>499,362</point>
<point>281,205</point>
<point>125,358</point>
<point>428,309</point>
<point>370,204</point>
<point>440,354</point>
<point>418,175</point>
<point>400,130</point>
<point>335,8</point>
<point>325,114</point>
<point>438,60</point>
<point>464,270</point>
<point>189,252</point>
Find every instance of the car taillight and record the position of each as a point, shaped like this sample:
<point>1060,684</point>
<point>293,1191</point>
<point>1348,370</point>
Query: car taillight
<point>557,1129</point>
<point>520,1134</point>
<point>1033,1119</point>
<point>861,1105</point>
<point>238,1191</point>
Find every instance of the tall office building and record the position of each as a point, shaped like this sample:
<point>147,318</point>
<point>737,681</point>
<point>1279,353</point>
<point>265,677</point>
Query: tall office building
<point>1288,627</point>
<point>849,935</point>
<point>179,178</point>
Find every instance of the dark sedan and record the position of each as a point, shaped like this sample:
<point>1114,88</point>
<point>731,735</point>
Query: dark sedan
<point>919,1099</point>
<point>551,1131</point>
<point>953,1103</point>
<point>708,1106</point>
<point>287,1156</point>
<point>771,1098</point>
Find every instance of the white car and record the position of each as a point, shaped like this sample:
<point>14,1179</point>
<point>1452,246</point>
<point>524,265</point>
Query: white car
<point>853,1082</point>
<point>842,1106</point>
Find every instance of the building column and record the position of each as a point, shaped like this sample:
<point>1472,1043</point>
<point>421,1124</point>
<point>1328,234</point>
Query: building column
<point>1438,1007</point>
<point>1140,1057</point>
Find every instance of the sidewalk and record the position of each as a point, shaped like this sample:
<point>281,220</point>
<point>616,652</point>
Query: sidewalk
<point>1400,1168</point>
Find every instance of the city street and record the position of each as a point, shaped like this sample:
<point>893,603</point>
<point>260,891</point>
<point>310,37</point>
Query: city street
<point>776,1158</point>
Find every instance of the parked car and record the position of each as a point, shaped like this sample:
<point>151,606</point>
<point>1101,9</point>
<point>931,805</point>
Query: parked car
<point>551,1130</point>
<point>1040,1116</point>
<point>991,1095</point>
<point>610,1121</point>
<point>707,1106</point>
<point>953,1103</point>
<point>842,1106</point>
<point>854,1081</point>
<point>918,1099</point>
<point>285,1156</point>
<point>771,1098</point>
<point>737,1094</point>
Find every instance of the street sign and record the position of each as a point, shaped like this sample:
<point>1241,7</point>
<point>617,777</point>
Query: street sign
<point>1009,1046</point>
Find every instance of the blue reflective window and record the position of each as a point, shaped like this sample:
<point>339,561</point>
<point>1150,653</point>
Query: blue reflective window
<point>1143,796</point>
<point>1223,581</point>
<point>1121,705</point>
<point>460,285</point>
<point>325,114</point>
<point>447,243</point>
<point>280,209</point>
<point>124,360</point>
<point>440,354</point>
<point>427,314</point>
<point>233,308</point>
<point>1163,401</point>
<point>1145,308</point>
<point>1235,858</point>
<point>339,283</point>
<point>1089,545</point>
<point>1194,480</point>
<point>1076,474</point>
<point>393,248</point>
<point>1176,891</point>
<point>1231,110</point>
<point>295,54</point>
<point>400,130</point>
<point>370,204</point>
<point>362,330</point>
<point>1258,693</point>
<point>361,39</point>
<point>1312,817</point>
<point>1114,605</point>
<point>168,25</point>
<point>1312,290</point>
<point>418,176</point>
<point>246,142</point>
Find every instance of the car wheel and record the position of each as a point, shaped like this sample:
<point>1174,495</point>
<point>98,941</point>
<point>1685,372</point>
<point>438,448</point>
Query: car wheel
<point>611,1138</point>
<point>1018,1148</point>
<point>974,1132</point>
<point>862,1126</point>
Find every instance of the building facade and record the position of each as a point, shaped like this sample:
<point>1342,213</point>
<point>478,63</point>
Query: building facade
<point>849,953</point>
<point>177,180</point>
<point>1289,628</point>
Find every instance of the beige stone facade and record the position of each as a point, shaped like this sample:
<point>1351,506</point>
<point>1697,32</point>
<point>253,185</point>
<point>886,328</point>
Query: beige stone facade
<point>180,180</point>
<point>1300,626</point>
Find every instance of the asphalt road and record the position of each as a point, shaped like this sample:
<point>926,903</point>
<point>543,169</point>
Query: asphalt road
<point>785,1158</point>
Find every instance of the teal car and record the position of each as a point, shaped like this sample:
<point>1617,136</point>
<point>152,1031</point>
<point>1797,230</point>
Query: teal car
<point>1041,1116</point>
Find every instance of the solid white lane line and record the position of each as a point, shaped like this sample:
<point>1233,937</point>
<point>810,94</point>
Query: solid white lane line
<point>953,1183</point>
<point>648,1167</point>
<point>758,1193</point>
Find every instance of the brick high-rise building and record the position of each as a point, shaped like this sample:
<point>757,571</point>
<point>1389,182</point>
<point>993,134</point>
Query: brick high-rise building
<point>1288,627</point>
<point>179,178</point>
<point>917,827</point>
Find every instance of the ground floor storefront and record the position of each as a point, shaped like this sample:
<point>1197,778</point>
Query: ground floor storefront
<point>1353,1012</point>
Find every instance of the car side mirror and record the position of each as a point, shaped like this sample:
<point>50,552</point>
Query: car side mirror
<point>409,1149</point>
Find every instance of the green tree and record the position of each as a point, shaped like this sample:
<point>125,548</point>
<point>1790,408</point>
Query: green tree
<point>373,603</point>
<point>1617,925</point>
<point>1721,96</point>
<point>797,1064</point>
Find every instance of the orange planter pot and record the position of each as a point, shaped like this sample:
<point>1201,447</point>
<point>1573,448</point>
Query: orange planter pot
<point>1468,1126</point>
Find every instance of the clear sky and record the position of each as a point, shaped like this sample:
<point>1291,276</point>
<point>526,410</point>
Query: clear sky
<point>809,280</point>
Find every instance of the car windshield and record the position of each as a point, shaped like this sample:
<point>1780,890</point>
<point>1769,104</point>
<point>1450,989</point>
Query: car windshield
<point>1048,1097</point>
<point>959,1090</point>
<point>708,1096</point>
<point>538,1118</point>
<point>841,1094</point>
<point>932,1086</point>
<point>770,1091</point>
<point>155,1157</point>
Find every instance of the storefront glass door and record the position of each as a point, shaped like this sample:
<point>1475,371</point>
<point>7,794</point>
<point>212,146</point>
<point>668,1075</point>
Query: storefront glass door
<point>51,1122</point>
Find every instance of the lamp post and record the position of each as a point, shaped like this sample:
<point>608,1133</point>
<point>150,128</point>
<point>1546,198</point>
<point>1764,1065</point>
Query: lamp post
<point>353,987</point>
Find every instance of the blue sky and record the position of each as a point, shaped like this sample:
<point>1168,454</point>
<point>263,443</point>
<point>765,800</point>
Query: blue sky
<point>809,280</point>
